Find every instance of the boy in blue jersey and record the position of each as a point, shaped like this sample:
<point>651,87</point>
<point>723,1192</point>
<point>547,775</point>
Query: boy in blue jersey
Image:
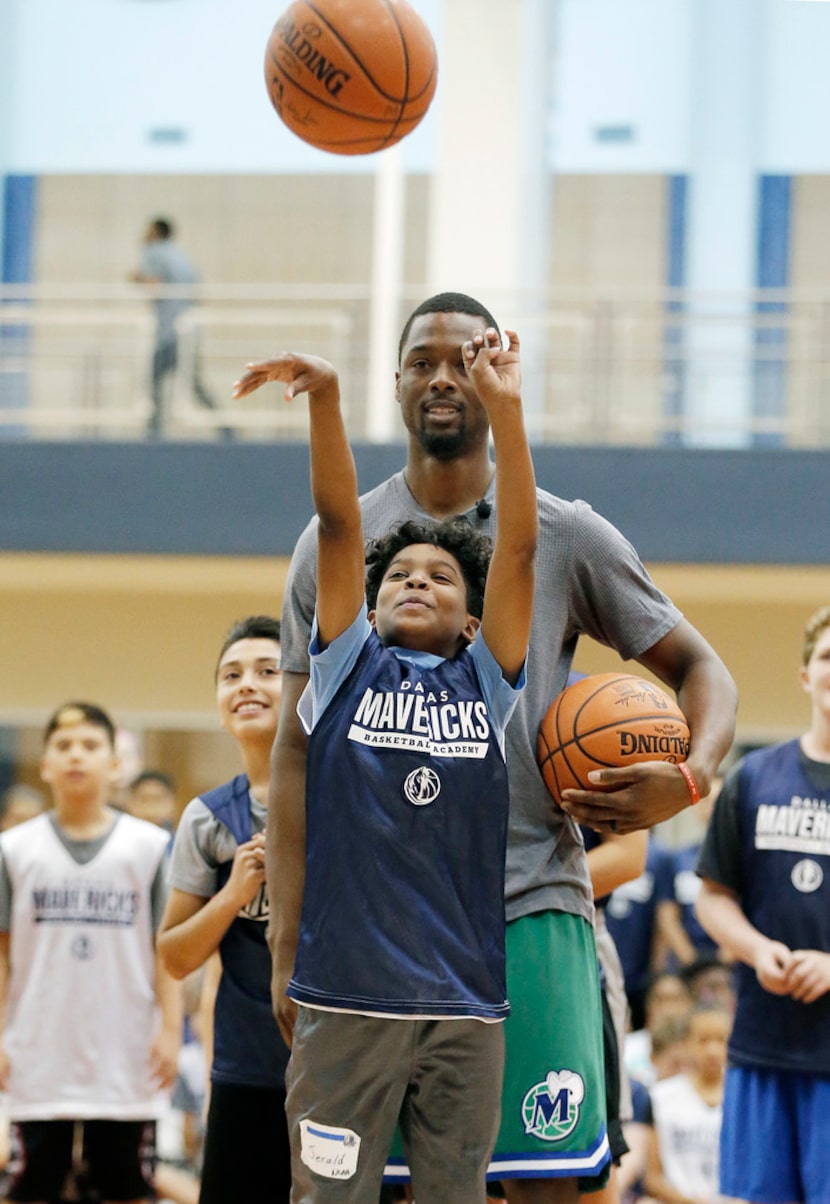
<point>400,966</point>
<point>765,899</point>
<point>218,900</point>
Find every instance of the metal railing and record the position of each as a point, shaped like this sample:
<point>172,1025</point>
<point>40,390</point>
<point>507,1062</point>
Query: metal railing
<point>635,367</point>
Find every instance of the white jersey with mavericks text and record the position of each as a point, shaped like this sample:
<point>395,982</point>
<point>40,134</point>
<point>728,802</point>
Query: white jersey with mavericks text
<point>688,1134</point>
<point>81,1010</point>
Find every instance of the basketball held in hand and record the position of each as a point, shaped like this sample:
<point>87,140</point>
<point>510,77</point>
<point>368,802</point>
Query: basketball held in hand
<point>351,76</point>
<point>609,720</point>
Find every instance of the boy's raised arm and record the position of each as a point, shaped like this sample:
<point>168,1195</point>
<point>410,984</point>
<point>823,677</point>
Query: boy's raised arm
<point>508,598</point>
<point>341,563</point>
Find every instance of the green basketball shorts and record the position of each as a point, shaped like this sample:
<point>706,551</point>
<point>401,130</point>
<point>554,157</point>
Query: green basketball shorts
<point>553,1101</point>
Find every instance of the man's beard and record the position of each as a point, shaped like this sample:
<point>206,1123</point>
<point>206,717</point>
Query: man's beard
<point>444,446</point>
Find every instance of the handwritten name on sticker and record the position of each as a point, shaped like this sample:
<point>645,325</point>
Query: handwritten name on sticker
<point>329,1152</point>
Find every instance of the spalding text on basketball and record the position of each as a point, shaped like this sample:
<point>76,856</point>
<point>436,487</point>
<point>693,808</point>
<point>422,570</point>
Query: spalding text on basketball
<point>668,747</point>
<point>301,47</point>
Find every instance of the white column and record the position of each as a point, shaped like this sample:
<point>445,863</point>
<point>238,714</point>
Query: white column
<point>727,110</point>
<point>489,201</point>
<point>387,283</point>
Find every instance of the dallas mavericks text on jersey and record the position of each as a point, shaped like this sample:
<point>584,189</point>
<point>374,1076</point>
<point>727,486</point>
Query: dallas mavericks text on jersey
<point>421,721</point>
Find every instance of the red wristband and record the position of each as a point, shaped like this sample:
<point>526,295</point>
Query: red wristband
<point>694,793</point>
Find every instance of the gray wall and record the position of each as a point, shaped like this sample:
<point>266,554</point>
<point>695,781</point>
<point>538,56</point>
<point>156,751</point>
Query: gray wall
<point>764,506</point>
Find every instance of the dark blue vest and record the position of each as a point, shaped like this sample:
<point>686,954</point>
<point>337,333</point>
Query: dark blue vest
<point>685,863</point>
<point>784,830</point>
<point>406,800</point>
<point>631,915</point>
<point>248,1048</point>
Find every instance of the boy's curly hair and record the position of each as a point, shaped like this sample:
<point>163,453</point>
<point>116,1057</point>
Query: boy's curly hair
<point>472,549</point>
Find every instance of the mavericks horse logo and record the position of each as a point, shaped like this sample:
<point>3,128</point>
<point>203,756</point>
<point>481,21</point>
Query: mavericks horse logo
<point>550,1109</point>
<point>422,786</point>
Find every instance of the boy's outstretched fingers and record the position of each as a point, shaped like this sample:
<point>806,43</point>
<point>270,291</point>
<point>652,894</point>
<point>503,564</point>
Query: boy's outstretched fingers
<point>300,373</point>
<point>253,377</point>
<point>281,367</point>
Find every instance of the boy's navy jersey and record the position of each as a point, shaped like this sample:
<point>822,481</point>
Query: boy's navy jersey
<point>248,1049</point>
<point>769,842</point>
<point>406,800</point>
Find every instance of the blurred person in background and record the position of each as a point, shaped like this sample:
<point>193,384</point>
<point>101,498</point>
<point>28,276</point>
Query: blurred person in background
<point>687,1108</point>
<point>633,918</point>
<point>20,803</point>
<point>765,899</point>
<point>83,993</point>
<point>218,901</point>
<point>683,937</point>
<point>163,262</point>
<point>152,796</point>
<point>667,996</point>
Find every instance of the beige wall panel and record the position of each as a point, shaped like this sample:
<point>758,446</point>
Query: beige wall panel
<point>755,618</point>
<point>608,231</point>
<point>254,229</point>
<point>808,318</point>
<point>810,232</point>
<point>608,235</point>
<point>415,243</point>
<point>141,634</point>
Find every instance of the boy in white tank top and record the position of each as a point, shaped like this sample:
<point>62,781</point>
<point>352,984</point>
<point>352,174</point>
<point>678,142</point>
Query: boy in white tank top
<point>92,1022</point>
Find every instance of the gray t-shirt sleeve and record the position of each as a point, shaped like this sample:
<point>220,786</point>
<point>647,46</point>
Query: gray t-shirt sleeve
<point>158,894</point>
<point>299,603</point>
<point>5,896</point>
<point>612,598</point>
<point>194,861</point>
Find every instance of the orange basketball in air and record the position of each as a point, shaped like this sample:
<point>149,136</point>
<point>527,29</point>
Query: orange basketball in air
<point>608,720</point>
<point>351,76</point>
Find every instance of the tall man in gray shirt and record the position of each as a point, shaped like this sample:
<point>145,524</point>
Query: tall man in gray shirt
<point>164,262</point>
<point>589,581</point>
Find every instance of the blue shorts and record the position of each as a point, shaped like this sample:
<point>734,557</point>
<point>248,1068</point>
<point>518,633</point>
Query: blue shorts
<point>775,1136</point>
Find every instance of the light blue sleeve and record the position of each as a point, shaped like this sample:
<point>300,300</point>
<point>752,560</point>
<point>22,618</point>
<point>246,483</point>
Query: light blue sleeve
<point>331,666</point>
<point>499,695</point>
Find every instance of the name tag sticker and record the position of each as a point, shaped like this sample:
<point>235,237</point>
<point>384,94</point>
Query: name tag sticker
<point>329,1152</point>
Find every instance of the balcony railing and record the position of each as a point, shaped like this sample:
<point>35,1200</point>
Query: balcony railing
<point>634,367</point>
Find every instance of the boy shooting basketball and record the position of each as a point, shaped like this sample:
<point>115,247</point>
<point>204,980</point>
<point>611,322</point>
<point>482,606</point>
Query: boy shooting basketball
<point>403,913</point>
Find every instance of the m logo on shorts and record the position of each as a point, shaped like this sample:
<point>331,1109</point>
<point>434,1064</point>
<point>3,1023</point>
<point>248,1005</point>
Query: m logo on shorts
<point>550,1109</point>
